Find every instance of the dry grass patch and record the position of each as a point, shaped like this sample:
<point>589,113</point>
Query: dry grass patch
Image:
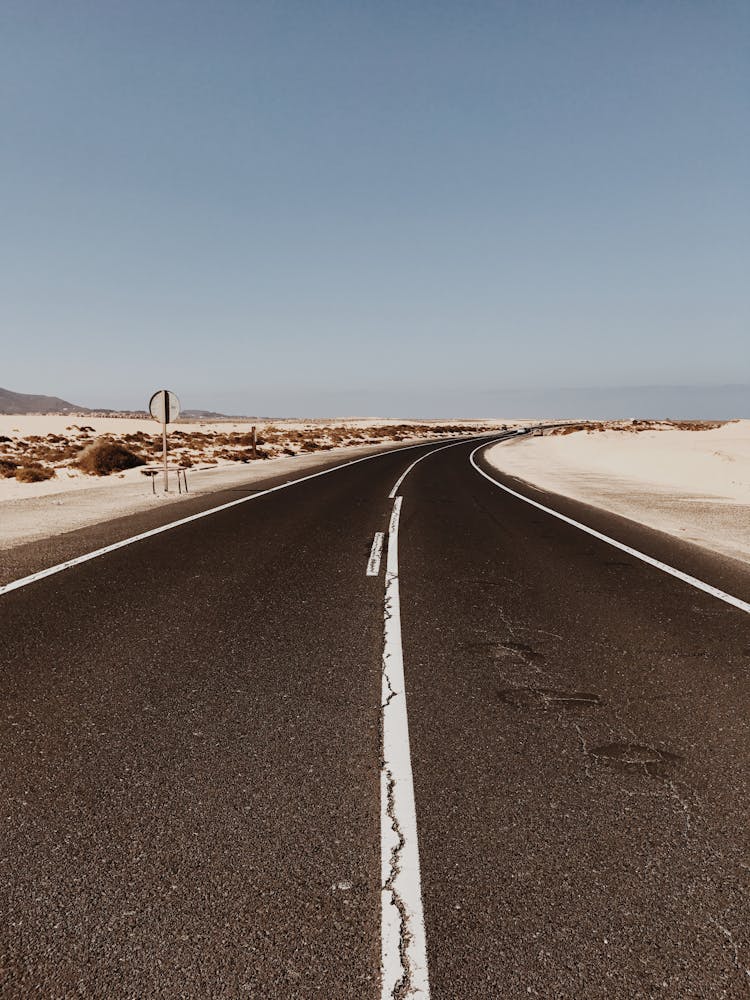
<point>33,473</point>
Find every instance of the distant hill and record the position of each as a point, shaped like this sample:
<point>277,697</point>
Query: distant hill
<point>21,402</point>
<point>205,415</point>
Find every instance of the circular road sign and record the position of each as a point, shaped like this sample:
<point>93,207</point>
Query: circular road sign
<point>164,406</point>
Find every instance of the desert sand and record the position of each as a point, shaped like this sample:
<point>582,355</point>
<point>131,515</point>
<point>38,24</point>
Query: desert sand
<point>691,483</point>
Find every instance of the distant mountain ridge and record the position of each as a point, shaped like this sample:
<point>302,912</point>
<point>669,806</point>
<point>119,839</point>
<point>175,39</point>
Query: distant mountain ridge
<point>21,402</point>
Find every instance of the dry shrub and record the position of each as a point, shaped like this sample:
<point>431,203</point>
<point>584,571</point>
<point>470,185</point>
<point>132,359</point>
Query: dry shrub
<point>233,456</point>
<point>33,473</point>
<point>7,468</point>
<point>196,440</point>
<point>104,456</point>
<point>696,425</point>
<point>44,453</point>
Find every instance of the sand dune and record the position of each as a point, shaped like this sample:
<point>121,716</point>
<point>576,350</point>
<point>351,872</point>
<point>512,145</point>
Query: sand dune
<point>692,483</point>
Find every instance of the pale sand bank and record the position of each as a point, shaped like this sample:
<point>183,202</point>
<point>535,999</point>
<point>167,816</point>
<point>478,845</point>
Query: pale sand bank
<point>693,484</point>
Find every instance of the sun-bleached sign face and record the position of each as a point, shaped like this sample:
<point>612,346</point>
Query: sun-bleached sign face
<point>164,406</point>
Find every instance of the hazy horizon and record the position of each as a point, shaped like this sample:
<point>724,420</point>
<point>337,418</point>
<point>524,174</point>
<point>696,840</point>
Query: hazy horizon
<point>611,402</point>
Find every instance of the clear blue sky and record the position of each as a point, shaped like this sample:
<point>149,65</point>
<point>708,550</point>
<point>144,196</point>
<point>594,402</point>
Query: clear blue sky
<point>372,207</point>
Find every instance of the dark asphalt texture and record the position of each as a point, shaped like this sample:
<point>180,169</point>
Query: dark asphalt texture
<point>580,744</point>
<point>189,761</point>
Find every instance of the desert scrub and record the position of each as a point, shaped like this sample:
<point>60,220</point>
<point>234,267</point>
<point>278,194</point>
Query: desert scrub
<point>7,468</point>
<point>33,473</point>
<point>104,456</point>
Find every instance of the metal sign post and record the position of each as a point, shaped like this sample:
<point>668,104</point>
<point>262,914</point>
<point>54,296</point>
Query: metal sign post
<point>164,406</point>
<point>164,455</point>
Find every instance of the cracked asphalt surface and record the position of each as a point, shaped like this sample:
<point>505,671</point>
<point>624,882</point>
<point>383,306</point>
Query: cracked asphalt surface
<point>580,746</point>
<point>190,750</point>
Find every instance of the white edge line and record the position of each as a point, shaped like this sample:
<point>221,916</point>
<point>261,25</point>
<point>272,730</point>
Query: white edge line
<point>403,938</point>
<point>77,560</point>
<point>693,581</point>
<point>373,563</point>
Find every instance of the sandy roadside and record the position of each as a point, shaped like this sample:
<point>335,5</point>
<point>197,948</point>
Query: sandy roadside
<point>32,518</point>
<point>693,484</point>
<point>71,500</point>
<point>39,453</point>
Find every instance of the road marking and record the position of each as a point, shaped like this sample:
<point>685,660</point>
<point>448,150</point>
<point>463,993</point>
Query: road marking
<point>373,563</point>
<point>721,595</point>
<point>403,940</point>
<point>403,475</point>
<point>77,560</point>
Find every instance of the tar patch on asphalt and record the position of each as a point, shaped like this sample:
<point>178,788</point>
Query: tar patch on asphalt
<point>546,699</point>
<point>634,757</point>
<point>499,650</point>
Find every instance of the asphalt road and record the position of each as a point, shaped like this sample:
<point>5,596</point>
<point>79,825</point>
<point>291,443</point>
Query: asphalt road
<point>192,736</point>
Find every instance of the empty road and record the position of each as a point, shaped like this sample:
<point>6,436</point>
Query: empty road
<point>210,788</point>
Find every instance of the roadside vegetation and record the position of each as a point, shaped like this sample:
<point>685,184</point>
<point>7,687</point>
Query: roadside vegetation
<point>638,426</point>
<point>79,451</point>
